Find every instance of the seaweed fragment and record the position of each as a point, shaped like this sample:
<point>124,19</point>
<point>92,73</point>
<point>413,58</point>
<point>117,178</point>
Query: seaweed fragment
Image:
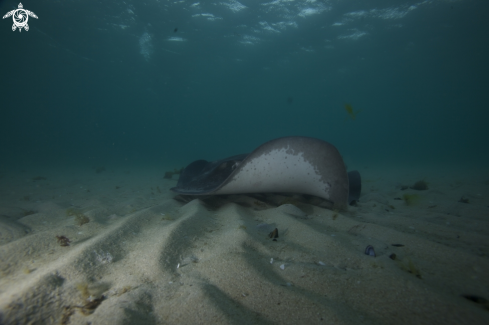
<point>63,241</point>
<point>411,268</point>
<point>410,199</point>
<point>463,199</point>
<point>81,219</point>
<point>67,312</point>
<point>92,303</point>
<point>83,288</point>
<point>167,218</point>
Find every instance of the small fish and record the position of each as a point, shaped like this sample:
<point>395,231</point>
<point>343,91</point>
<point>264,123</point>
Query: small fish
<point>370,251</point>
<point>349,110</point>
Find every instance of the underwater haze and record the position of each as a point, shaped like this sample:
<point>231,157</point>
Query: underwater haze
<point>104,101</point>
<point>115,83</point>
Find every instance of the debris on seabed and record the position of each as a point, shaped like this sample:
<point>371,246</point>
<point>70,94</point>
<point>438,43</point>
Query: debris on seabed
<point>370,251</point>
<point>282,266</point>
<point>271,260</point>
<point>63,241</point>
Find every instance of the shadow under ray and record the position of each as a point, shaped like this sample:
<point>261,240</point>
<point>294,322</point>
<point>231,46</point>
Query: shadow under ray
<point>271,276</point>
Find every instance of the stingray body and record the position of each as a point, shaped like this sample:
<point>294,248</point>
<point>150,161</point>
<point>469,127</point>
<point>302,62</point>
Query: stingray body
<point>284,165</point>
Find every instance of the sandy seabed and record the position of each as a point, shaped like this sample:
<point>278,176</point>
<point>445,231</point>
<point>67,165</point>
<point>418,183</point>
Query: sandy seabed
<point>145,258</point>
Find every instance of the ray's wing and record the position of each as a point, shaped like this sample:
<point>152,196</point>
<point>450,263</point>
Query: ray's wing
<point>8,14</point>
<point>30,13</point>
